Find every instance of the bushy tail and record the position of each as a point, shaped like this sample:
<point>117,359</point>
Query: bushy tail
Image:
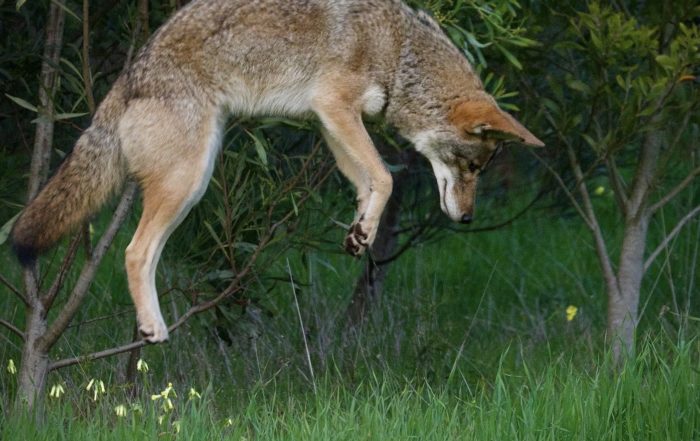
<point>85,180</point>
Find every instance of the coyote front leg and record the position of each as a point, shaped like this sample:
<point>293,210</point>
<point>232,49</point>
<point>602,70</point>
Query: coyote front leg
<point>354,174</point>
<point>359,160</point>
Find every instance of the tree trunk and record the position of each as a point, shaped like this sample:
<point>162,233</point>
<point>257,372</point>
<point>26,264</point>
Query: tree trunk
<point>368,286</point>
<point>623,304</point>
<point>34,367</point>
<point>43,138</point>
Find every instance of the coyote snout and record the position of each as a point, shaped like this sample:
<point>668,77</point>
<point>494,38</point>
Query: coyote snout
<point>464,145</point>
<point>457,178</point>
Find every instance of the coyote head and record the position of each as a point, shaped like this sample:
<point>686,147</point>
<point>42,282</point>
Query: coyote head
<point>460,149</point>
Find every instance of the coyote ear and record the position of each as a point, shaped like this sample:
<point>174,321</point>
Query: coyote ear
<point>485,118</point>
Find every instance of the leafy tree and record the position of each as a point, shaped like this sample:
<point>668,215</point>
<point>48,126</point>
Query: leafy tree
<point>618,92</point>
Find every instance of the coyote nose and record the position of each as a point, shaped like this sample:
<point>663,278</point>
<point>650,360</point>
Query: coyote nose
<point>466,218</point>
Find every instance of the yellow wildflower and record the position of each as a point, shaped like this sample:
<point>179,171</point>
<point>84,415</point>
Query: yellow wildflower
<point>97,387</point>
<point>194,394</point>
<point>165,395</point>
<point>168,390</point>
<point>56,391</point>
<point>11,367</point>
<point>571,312</point>
<point>120,410</point>
<point>141,366</point>
<point>176,425</point>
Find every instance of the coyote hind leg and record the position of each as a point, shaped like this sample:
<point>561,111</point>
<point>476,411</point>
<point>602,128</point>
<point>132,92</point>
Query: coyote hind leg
<point>173,180</point>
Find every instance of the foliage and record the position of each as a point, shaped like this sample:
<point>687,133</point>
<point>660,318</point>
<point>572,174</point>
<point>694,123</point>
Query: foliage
<point>617,73</point>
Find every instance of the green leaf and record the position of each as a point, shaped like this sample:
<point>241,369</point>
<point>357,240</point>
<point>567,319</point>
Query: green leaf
<point>621,81</point>
<point>510,57</point>
<point>551,105</point>
<point>20,3</point>
<point>68,11</point>
<point>579,86</point>
<point>259,146</point>
<point>666,61</point>
<point>22,103</point>
<point>5,230</point>
<point>590,141</point>
<point>62,116</point>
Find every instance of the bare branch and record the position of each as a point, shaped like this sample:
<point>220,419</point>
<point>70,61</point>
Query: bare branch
<point>677,189</point>
<point>142,8</point>
<point>618,185</point>
<point>12,328</point>
<point>646,170</point>
<point>564,187</point>
<point>664,243</point>
<point>50,296</point>
<point>97,355</point>
<point>88,272</point>
<point>601,248</point>
<point>87,76</point>
<point>12,288</point>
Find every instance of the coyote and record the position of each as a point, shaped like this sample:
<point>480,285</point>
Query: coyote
<point>335,60</point>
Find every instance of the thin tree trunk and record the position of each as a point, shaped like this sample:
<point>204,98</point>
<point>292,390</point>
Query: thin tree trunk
<point>34,366</point>
<point>43,138</point>
<point>135,354</point>
<point>623,305</point>
<point>368,287</point>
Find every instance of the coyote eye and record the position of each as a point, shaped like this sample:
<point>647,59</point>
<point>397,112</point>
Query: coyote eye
<point>473,168</point>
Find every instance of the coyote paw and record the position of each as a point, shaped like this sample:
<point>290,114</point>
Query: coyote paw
<point>153,330</point>
<point>356,241</point>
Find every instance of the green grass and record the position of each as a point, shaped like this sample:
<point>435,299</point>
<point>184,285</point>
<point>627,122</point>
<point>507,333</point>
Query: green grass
<point>655,398</point>
<point>469,340</point>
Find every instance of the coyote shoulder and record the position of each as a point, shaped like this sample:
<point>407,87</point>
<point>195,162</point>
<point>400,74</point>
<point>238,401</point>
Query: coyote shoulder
<point>334,60</point>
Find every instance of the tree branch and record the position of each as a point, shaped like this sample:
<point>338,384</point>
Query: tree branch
<point>97,355</point>
<point>664,243</point>
<point>12,328</point>
<point>87,77</point>
<point>646,169</point>
<point>51,294</point>
<point>564,187</point>
<point>11,287</point>
<point>673,193</point>
<point>617,184</point>
<point>43,138</point>
<point>88,272</point>
<point>601,248</point>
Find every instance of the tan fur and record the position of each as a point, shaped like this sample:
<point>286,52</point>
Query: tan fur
<point>330,59</point>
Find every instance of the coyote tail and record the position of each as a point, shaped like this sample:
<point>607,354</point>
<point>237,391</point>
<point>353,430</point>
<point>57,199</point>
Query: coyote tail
<point>82,184</point>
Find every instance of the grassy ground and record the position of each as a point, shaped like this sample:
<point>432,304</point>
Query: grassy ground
<point>654,398</point>
<point>470,340</point>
